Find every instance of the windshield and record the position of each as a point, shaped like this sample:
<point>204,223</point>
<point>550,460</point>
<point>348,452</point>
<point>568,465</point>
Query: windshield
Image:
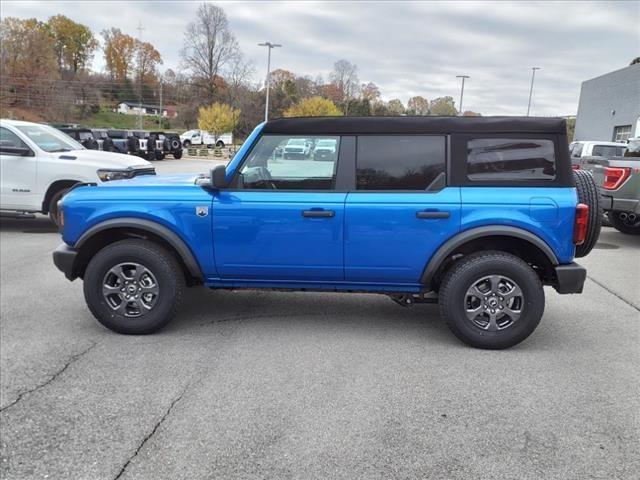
<point>326,143</point>
<point>49,139</point>
<point>298,141</point>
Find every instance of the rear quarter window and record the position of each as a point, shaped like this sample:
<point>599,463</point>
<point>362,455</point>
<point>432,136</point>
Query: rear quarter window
<point>510,159</point>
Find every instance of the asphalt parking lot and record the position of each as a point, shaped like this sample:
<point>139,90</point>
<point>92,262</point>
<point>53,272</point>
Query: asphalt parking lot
<point>254,385</point>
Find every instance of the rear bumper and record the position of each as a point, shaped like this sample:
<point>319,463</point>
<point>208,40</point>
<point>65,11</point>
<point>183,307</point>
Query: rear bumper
<point>570,278</point>
<point>64,258</point>
<point>610,203</point>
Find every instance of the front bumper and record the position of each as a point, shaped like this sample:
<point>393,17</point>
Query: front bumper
<point>64,257</point>
<point>570,278</point>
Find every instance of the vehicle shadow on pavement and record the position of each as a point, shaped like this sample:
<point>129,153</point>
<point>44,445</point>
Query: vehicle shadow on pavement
<point>40,224</point>
<point>369,314</point>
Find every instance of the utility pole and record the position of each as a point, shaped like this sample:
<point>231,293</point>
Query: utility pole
<point>533,76</point>
<point>463,77</point>
<point>160,111</point>
<point>269,46</point>
<point>140,28</point>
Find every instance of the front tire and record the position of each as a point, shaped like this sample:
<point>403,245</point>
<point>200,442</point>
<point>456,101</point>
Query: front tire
<point>133,287</point>
<point>491,300</point>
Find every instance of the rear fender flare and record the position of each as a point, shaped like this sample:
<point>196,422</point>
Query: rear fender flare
<point>461,238</point>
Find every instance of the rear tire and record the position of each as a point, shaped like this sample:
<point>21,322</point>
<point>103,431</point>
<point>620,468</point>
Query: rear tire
<point>589,194</point>
<point>625,226</point>
<point>485,316</point>
<point>148,273</point>
<point>177,154</point>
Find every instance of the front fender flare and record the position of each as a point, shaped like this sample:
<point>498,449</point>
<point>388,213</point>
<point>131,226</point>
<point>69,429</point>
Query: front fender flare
<point>461,238</point>
<point>152,227</point>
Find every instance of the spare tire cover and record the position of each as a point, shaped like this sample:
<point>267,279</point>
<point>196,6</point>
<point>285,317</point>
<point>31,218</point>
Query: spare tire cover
<point>133,144</point>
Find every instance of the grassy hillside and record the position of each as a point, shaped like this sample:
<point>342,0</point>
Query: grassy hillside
<point>105,118</point>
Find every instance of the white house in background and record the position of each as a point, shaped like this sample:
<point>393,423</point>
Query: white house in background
<point>135,108</point>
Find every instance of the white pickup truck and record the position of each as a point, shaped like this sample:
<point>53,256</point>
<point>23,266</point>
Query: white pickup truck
<point>39,164</point>
<point>200,137</point>
<point>581,149</point>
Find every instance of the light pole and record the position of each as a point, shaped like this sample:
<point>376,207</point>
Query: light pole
<point>463,77</point>
<point>269,46</point>
<point>533,76</point>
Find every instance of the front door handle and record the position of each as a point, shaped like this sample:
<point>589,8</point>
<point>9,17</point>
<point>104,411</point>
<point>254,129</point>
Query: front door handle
<point>318,213</point>
<point>432,214</point>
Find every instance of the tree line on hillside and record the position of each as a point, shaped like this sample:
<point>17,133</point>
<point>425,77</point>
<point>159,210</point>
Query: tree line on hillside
<point>46,68</point>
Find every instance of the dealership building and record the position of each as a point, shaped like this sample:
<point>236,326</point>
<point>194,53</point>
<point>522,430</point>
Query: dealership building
<point>609,108</point>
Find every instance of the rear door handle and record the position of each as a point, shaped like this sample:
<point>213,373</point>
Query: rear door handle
<point>318,213</point>
<point>423,214</point>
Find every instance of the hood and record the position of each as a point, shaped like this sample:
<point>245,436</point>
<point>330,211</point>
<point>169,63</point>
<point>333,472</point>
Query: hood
<point>174,180</point>
<point>104,160</point>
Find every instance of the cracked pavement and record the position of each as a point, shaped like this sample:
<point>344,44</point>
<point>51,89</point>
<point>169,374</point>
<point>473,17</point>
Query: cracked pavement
<point>252,385</point>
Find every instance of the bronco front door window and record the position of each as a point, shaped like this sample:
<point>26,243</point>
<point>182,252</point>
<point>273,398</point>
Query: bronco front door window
<point>283,162</point>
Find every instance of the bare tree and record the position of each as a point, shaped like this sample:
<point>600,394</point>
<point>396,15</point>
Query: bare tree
<point>209,45</point>
<point>344,78</point>
<point>237,75</point>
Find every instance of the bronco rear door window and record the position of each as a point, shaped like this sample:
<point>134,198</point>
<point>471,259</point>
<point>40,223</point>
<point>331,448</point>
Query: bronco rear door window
<point>512,159</point>
<point>400,162</point>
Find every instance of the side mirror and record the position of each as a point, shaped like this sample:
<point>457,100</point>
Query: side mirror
<point>219,177</point>
<point>17,151</point>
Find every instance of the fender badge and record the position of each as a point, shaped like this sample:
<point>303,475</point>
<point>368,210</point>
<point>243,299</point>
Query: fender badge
<point>202,211</point>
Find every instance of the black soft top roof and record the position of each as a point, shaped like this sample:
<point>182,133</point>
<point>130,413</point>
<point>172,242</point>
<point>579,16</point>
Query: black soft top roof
<point>414,125</point>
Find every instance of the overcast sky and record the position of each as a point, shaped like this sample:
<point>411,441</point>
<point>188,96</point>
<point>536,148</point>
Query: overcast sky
<point>406,48</point>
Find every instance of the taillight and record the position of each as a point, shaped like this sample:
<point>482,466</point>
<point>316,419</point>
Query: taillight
<point>582,221</point>
<point>575,167</point>
<point>615,176</point>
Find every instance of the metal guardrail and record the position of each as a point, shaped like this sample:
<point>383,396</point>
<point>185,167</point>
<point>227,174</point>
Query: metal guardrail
<point>215,152</point>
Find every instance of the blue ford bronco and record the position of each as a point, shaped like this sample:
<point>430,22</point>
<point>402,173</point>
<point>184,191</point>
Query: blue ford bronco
<point>476,214</point>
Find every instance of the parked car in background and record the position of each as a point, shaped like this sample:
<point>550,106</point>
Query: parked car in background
<point>581,149</point>
<point>325,150</point>
<point>633,147</point>
<point>100,134</point>
<point>201,137</point>
<point>168,143</point>
<point>297,148</point>
<point>84,136</point>
<point>475,213</point>
<point>118,141</point>
<point>619,181</point>
<point>39,164</point>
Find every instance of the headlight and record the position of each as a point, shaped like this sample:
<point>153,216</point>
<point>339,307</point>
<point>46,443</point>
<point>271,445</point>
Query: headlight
<point>108,175</point>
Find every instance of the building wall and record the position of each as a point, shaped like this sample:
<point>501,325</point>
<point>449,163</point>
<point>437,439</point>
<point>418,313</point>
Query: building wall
<point>618,92</point>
